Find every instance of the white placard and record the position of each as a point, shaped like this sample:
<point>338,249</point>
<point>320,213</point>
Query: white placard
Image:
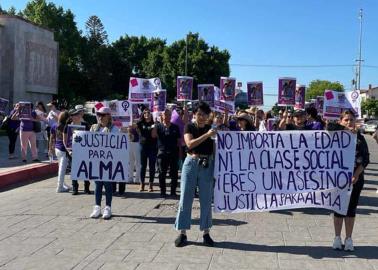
<point>265,171</point>
<point>100,156</point>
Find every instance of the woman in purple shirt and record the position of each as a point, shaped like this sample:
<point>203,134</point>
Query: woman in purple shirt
<point>27,135</point>
<point>56,145</point>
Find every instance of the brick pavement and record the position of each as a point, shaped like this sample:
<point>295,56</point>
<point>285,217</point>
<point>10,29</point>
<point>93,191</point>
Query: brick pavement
<point>40,229</point>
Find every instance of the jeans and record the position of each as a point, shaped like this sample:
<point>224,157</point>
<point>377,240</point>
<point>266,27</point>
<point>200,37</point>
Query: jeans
<point>12,136</point>
<point>164,161</point>
<point>62,161</point>
<point>150,154</point>
<point>194,174</point>
<point>108,193</point>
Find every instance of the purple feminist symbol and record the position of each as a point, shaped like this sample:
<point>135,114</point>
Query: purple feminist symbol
<point>125,105</point>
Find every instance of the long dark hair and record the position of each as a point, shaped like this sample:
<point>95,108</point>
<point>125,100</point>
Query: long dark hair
<point>62,121</point>
<point>40,103</point>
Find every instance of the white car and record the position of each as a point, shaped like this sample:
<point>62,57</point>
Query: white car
<point>371,126</point>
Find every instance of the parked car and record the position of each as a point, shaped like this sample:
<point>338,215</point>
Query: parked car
<point>371,126</point>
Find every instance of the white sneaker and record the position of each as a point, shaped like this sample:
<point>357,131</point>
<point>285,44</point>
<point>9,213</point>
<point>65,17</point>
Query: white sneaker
<point>96,211</point>
<point>337,243</point>
<point>349,244</point>
<point>62,189</point>
<point>67,187</point>
<point>107,212</point>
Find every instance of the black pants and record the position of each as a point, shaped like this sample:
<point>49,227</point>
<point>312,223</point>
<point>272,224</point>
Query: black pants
<point>121,187</point>
<point>12,136</point>
<point>75,184</point>
<point>354,197</point>
<point>164,161</point>
<point>147,153</point>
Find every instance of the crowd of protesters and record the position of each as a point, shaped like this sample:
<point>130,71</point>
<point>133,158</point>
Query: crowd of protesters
<point>178,139</point>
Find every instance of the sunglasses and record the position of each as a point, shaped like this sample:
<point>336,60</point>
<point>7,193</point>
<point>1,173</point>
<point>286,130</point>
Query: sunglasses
<point>101,115</point>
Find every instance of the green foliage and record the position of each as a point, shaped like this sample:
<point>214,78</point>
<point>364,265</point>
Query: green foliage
<point>92,69</point>
<point>370,107</point>
<point>317,88</point>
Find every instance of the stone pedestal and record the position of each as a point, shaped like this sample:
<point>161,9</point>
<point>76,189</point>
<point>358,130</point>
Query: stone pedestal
<point>28,61</point>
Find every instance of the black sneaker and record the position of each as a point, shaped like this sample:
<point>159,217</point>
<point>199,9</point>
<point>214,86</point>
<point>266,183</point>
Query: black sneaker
<point>207,240</point>
<point>24,161</point>
<point>181,240</point>
<point>87,191</point>
<point>75,192</point>
<point>36,160</point>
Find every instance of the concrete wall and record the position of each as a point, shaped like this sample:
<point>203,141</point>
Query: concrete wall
<point>29,61</point>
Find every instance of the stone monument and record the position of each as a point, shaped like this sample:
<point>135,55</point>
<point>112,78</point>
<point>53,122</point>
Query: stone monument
<point>28,61</point>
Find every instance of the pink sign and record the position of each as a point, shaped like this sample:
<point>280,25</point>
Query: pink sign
<point>206,94</point>
<point>286,91</point>
<point>300,92</point>
<point>255,93</point>
<point>227,87</point>
<point>184,88</point>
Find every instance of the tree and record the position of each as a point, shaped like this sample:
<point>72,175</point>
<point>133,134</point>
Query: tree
<point>71,83</point>
<point>369,107</point>
<point>317,88</point>
<point>96,31</point>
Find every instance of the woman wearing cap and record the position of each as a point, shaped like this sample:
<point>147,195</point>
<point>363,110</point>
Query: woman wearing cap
<point>148,141</point>
<point>197,170</point>
<point>245,122</point>
<point>57,146</point>
<point>75,119</point>
<point>104,125</point>
<point>348,122</point>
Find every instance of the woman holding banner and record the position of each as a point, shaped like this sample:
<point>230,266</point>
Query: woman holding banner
<point>104,125</point>
<point>197,170</point>
<point>348,122</point>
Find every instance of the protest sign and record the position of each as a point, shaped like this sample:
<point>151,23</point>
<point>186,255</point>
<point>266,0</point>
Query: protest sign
<point>100,156</point>
<point>70,131</point>
<point>184,88</point>
<point>140,90</point>
<point>159,100</point>
<point>300,92</point>
<point>255,93</point>
<point>265,171</point>
<point>137,110</point>
<point>319,105</point>
<point>25,110</point>
<point>272,124</point>
<point>227,87</point>
<point>286,91</point>
<point>3,104</point>
<point>336,102</point>
<point>217,93</point>
<point>206,94</point>
<point>221,106</point>
<point>113,106</point>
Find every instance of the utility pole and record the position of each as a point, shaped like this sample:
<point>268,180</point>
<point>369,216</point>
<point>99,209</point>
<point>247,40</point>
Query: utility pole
<point>186,56</point>
<point>359,60</point>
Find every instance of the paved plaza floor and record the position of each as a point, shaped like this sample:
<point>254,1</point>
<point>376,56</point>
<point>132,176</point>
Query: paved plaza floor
<point>40,229</point>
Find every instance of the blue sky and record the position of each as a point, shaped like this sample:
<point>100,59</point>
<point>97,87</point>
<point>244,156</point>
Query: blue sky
<point>264,32</point>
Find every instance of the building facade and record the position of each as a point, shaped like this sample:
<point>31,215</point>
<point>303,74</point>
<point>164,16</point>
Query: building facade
<point>28,61</point>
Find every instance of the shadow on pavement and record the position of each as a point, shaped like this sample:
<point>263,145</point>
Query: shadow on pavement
<point>316,252</point>
<point>171,220</point>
